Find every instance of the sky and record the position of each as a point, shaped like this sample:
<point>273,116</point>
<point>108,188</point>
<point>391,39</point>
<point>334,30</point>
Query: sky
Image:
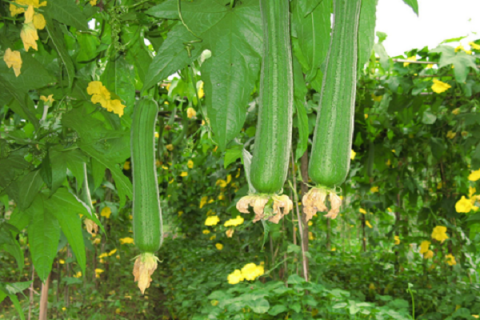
<point>438,20</point>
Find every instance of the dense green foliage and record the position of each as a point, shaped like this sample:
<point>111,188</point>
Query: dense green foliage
<point>404,246</point>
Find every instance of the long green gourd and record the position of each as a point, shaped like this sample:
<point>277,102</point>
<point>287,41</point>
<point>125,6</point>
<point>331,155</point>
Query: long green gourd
<point>274,128</point>
<point>330,156</point>
<point>147,214</point>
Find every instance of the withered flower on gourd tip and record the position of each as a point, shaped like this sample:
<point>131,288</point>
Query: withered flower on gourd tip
<point>145,265</point>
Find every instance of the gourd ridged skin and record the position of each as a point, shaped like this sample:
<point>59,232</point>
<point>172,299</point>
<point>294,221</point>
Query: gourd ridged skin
<point>274,127</point>
<point>330,156</point>
<point>147,214</point>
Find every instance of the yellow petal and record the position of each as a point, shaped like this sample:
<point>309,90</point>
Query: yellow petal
<point>13,59</point>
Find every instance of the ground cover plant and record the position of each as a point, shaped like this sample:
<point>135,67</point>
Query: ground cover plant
<point>233,160</point>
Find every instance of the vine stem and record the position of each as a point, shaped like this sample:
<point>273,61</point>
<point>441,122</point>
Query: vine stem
<point>299,219</point>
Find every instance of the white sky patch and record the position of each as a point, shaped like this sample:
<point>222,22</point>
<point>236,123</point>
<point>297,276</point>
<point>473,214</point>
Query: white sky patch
<point>438,20</point>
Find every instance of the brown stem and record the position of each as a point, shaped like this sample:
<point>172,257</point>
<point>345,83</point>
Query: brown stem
<point>44,300</point>
<point>300,224</point>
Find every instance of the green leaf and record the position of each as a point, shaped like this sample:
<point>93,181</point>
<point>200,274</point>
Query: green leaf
<point>460,60</point>
<point>428,117</point>
<point>300,91</point>
<point>119,77</point>
<point>259,305</point>
<point>232,154</point>
<point>17,306</point>
<point>366,31</point>
<point>124,186</point>
<point>30,185</point>
<point>67,12</point>
<point>98,173</point>
<point>412,4</point>
<point>88,47</point>
<point>65,207</point>
<point>43,238</point>
<point>56,37</point>
<point>171,56</point>
<point>276,309</point>
<point>33,75</point>
<point>11,168</point>
<point>72,159</point>
<point>22,105</point>
<point>234,37</point>
<point>295,279</point>
<point>313,33</point>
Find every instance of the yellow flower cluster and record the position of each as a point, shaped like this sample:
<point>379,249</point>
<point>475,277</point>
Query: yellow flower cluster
<point>212,221</point>
<point>425,251</point>
<point>440,233</point>
<point>106,212</point>
<point>249,272</point>
<point>100,94</point>
<point>474,175</point>
<point>126,240</point>
<point>234,222</point>
<point>13,60</point>
<point>439,86</point>
<point>450,259</point>
<point>191,113</point>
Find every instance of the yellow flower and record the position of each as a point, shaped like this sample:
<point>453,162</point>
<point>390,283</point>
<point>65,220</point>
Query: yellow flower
<point>157,163</point>
<point>14,10</point>
<point>388,163</point>
<point>251,271</point>
<point>439,86</point>
<point>333,249</point>
<point>311,236</point>
<point>374,189</point>
<point>412,58</point>
<point>430,66</point>
<point>229,179</point>
<point>203,202</point>
<point>39,21</point>
<point>396,239</point>
<point>424,247</point>
<point>61,261</point>
<point>126,165</point>
<point>229,232</point>
<point>474,46</point>
<point>463,205</point>
<point>371,286</point>
<point>221,196</point>
<point>97,241</point>
<point>234,222</point>
<point>206,231</point>
<point>111,253</point>
<point>368,224</point>
<point>126,240</point>
<point>362,211</point>
<point>201,93</point>
<point>213,237</point>
<point>451,134</point>
<point>78,274</point>
<point>352,154</point>
<point>450,259</point>
<point>439,233</point>
<point>93,2</point>
<point>460,47</point>
<point>180,213</point>
<point>428,254</point>
<point>376,98</point>
<point>222,183</point>
<point>456,111</point>
<point>474,176</point>
<point>106,212</point>
<point>235,277</point>
<point>115,106</point>
<point>98,272</point>
<point>13,59</point>
<point>48,100</point>
<point>103,255</point>
<point>184,174</point>
<point>212,221</point>
<point>29,33</point>
<point>190,164</point>
<point>366,116</point>
<point>191,113</point>
<point>169,147</point>
<point>219,246</point>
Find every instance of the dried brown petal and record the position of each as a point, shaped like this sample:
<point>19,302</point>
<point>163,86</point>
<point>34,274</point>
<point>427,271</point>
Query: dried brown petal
<point>91,226</point>
<point>258,206</point>
<point>145,265</point>
<point>314,201</point>
<point>229,232</point>
<point>244,202</point>
<point>282,205</point>
<point>335,203</point>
